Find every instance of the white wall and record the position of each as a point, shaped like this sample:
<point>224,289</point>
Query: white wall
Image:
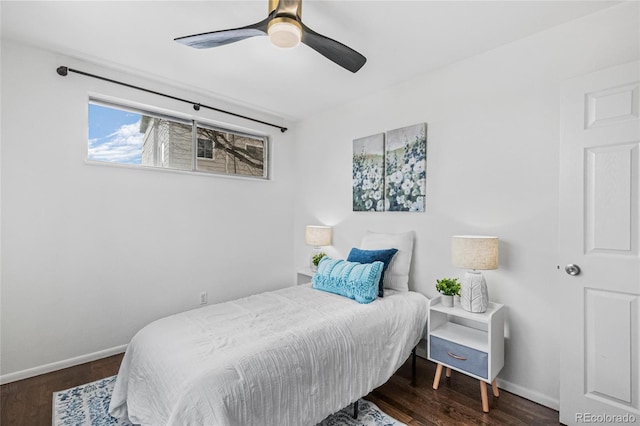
<point>492,168</point>
<point>90,254</point>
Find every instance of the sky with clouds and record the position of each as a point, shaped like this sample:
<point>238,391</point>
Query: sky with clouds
<point>114,135</point>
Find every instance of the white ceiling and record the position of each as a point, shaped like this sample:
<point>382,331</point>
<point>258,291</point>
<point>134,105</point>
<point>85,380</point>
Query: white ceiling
<point>399,38</point>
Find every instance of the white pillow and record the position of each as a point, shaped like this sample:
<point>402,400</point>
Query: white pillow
<point>397,274</point>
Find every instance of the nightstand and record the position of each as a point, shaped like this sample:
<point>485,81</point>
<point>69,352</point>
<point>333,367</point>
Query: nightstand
<point>304,276</point>
<point>471,343</point>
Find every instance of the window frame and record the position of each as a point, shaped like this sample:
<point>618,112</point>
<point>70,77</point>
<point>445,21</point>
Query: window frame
<point>195,123</point>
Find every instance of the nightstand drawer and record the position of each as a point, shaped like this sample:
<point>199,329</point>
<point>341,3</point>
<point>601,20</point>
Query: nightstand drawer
<point>459,356</point>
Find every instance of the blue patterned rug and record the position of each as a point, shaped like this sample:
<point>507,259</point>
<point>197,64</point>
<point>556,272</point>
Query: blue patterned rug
<point>88,405</point>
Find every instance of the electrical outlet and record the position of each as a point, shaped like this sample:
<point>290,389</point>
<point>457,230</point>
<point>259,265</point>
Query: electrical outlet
<point>203,298</point>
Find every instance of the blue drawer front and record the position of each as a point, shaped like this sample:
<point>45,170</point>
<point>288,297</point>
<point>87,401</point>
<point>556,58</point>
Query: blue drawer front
<point>474,362</point>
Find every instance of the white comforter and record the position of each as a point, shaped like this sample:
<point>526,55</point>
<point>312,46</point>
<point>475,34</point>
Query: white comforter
<point>287,357</point>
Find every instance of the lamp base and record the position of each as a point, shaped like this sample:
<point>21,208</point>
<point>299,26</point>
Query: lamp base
<point>474,296</point>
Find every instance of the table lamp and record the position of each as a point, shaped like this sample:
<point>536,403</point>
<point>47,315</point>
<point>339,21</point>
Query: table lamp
<point>474,253</point>
<point>317,236</point>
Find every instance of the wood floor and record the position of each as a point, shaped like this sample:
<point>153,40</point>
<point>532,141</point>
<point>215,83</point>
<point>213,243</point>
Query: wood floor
<point>456,402</point>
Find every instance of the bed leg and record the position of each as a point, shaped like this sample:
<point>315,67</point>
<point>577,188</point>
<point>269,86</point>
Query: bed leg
<point>355,410</point>
<point>413,367</point>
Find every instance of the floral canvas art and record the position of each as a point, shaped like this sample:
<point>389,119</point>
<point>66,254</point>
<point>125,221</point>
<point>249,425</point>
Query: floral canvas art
<point>405,168</point>
<point>368,173</point>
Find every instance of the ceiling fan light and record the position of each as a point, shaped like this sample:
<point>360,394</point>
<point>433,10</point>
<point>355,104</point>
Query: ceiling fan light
<point>285,33</point>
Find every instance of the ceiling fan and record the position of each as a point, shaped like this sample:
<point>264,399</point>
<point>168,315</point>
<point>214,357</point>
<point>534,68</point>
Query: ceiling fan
<point>285,29</point>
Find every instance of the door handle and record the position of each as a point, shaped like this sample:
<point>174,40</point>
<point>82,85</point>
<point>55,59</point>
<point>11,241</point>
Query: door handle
<point>572,269</point>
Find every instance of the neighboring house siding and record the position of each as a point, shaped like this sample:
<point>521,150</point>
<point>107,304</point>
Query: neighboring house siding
<point>170,144</point>
<point>150,142</point>
<point>166,144</point>
<point>247,161</point>
<point>224,162</point>
<point>179,140</point>
<point>162,131</point>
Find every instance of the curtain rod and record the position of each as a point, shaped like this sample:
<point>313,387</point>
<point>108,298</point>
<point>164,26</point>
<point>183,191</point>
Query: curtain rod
<point>63,71</point>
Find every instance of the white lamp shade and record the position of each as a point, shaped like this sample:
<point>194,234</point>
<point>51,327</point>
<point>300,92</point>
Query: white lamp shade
<point>318,236</point>
<point>474,252</point>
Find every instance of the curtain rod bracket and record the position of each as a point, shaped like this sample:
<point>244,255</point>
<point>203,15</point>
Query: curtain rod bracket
<point>63,71</point>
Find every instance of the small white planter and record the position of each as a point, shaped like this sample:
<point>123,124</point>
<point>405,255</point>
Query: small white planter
<point>447,301</point>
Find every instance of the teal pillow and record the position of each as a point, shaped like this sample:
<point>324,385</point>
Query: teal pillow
<point>369,256</point>
<point>354,280</point>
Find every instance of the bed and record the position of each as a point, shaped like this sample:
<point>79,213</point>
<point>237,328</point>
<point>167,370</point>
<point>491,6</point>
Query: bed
<point>287,357</point>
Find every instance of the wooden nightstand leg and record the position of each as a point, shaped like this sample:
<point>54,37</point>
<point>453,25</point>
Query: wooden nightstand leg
<point>485,398</point>
<point>494,386</point>
<point>447,372</point>
<point>436,379</point>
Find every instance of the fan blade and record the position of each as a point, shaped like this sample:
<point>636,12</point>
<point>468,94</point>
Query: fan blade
<point>333,50</point>
<point>222,37</point>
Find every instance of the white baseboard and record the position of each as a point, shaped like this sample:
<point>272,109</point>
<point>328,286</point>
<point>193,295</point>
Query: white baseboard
<point>59,365</point>
<point>534,396</point>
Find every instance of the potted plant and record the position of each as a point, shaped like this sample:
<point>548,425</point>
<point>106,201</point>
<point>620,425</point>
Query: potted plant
<point>315,259</point>
<point>448,287</point>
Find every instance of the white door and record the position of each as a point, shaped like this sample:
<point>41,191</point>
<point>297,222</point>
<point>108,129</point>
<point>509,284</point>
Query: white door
<point>599,232</point>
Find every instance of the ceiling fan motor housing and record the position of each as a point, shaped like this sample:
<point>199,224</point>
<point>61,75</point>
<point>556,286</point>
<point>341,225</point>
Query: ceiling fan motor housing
<point>284,32</point>
<point>292,8</point>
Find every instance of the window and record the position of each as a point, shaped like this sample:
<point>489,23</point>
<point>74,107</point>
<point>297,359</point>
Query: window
<point>205,148</point>
<point>229,152</point>
<point>128,136</point>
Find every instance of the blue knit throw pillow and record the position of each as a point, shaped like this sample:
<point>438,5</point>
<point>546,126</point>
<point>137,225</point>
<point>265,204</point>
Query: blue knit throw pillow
<point>354,280</point>
<point>368,256</point>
